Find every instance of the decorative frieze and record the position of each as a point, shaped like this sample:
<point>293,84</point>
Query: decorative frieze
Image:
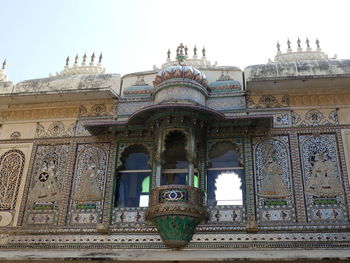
<point>268,101</point>
<point>315,117</point>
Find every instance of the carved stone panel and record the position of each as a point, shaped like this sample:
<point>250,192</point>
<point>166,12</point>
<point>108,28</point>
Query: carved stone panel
<point>46,184</point>
<point>11,172</point>
<point>274,191</point>
<point>322,178</point>
<point>88,184</point>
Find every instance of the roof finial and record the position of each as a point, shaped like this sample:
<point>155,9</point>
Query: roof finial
<point>67,61</point>
<point>168,53</point>
<point>195,50</point>
<point>288,44</point>
<point>203,52</point>
<point>278,47</point>
<point>84,58</point>
<point>307,44</point>
<point>186,50</point>
<point>76,59</point>
<point>4,64</point>
<point>181,48</point>
<point>299,45</point>
<point>100,58</point>
<point>317,43</point>
<point>93,57</point>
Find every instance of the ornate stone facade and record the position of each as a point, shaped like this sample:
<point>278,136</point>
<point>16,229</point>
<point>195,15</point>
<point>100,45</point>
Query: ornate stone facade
<point>88,161</point>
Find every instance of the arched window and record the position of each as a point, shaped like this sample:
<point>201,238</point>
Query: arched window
<point>133,178</point>
<point>224,176</point>
<point>175,166</point>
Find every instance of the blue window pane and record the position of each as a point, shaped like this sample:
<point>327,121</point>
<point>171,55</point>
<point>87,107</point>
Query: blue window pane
<point>129,190</point>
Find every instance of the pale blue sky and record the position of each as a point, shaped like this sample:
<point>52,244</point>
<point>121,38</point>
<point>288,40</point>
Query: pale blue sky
<point>37,35</point>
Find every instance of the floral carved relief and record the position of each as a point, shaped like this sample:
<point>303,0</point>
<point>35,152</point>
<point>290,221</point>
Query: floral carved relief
<point>315,117</point>
<point>267,101</point>
<point>55,129</point>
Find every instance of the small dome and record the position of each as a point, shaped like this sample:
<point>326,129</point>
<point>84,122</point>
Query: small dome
<point>140,88</point>
<point>180,72</point>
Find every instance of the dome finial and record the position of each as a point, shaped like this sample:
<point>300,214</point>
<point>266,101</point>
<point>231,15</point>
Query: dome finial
<point>4,64</point>
<point>100,58</point>
<point>93,57</point>
<point>180,54</point>
<point>168,53</point>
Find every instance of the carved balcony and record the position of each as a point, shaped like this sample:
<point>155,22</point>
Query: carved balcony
<point>176,210</point>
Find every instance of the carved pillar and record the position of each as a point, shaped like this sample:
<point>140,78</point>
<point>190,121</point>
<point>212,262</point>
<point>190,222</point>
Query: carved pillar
<point>297,179</point>
<point>158,156</point>
<point>191,157</point>
<point>251,225</point>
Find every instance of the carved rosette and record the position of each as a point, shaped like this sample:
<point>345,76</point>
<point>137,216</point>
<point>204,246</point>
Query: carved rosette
<point>176,210</point>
